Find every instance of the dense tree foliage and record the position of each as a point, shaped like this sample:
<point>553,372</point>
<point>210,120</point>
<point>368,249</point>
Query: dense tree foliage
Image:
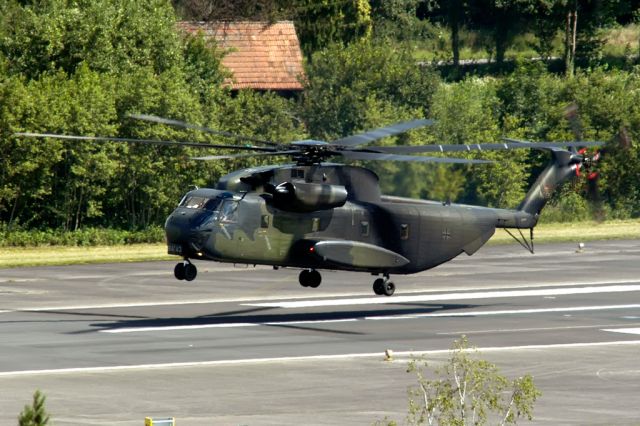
<point>144,65</point>
<point>82,67</point>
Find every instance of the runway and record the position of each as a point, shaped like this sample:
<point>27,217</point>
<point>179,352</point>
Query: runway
<point>111,344</point>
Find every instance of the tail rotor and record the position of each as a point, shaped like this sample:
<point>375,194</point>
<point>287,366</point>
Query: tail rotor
<point>588,168</point>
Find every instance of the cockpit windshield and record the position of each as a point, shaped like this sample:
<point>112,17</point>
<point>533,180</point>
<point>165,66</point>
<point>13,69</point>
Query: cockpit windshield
<point>193,202</point>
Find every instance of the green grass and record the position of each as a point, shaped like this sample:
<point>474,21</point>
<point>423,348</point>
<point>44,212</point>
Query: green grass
<point>618,41</point>
<point>578,232</point>
<point>13,257</point>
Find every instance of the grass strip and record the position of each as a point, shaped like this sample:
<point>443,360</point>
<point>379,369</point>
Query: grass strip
<point>577,232</point>
<point>59,255</point>
<point>11,257</point>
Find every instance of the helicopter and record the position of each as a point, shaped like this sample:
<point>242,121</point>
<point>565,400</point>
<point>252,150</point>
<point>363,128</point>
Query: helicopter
<point>315,215</point>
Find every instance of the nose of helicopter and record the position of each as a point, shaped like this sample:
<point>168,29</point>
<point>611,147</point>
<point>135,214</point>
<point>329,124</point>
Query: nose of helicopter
<point>187,230</point>
<point>176,229</point>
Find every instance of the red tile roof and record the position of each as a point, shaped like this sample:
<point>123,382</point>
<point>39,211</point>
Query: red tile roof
<point>261,55</point>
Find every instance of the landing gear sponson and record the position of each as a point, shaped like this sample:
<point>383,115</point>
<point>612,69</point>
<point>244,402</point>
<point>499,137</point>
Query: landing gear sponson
<point>185,270</point>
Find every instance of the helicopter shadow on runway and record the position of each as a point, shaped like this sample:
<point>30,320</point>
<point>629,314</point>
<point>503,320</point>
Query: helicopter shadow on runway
<point>261,316</point>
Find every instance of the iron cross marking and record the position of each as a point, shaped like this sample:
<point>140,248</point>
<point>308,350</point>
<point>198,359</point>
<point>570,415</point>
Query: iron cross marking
<point>446,234</point>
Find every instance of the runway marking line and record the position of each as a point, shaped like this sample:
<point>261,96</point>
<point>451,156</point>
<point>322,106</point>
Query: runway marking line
<point>223,325</point>
<point>447,296</point>
<point>623,330</point>
<point>118,368</point>
<point>366,318</point>
<point>523,330</point>
<point>310,298</point>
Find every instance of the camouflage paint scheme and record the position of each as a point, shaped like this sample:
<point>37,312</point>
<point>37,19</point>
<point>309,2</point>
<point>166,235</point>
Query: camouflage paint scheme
<point>253,223</point>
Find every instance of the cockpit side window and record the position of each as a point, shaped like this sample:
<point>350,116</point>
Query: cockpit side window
<point>229,211</point>
<point>212,204</point>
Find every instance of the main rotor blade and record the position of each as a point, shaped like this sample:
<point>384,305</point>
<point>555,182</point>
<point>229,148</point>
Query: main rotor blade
<point>231,156</point>
<point>356,155</point>
<point>380,133</point>
<point>559,144</point>
<point>143,141</point>
<point>511,144</point>
<point>177,123</point>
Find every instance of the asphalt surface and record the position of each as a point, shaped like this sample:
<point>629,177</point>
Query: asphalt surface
<point>111,344</point>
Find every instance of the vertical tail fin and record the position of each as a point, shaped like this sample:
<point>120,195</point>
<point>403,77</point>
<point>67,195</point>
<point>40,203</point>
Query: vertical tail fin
<point>562,167</point>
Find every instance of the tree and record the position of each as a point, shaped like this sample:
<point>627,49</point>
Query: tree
<point>106,59</point>
<point>547,21</point>
<point>454,14</point>
<point>503,19</point>
<point>341,79</point>
<point>108,35</point>
<point>220,10</point>
<point>396,19</point>
<point>34,414</point>
<point>468,391</point>
<point>322,22</point>
<point>581,22</point>
<point>467,113</point>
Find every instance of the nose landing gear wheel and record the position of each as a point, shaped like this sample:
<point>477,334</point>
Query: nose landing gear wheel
<point>190,272</point>
<point>185,271</point>
<point>179,272</point>
<point>310,278</point>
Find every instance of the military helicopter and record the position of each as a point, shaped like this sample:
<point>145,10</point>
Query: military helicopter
<point>313,214</point>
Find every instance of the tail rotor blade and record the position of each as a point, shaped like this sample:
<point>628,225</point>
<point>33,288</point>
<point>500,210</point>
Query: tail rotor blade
<point>572,115</point>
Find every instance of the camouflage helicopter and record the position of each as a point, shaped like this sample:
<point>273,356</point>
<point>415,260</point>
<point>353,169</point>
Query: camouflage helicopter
<point>312,214</point>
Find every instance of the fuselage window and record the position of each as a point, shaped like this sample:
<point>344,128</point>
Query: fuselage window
<point>404,231</point>
<point>297,173</point>
<point>364,228</point>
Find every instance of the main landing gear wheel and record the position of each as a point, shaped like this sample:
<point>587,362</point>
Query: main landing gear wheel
<point>185,271</point>
<point>310,278</point>
<point>383,286</point>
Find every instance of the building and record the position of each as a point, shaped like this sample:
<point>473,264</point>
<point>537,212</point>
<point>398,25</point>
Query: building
<point>260,55</point>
